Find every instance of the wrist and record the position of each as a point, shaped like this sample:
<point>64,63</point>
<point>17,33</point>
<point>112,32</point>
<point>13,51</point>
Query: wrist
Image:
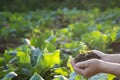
<point>102,66</point>
<point>105,67</point>
<point>106,57</point>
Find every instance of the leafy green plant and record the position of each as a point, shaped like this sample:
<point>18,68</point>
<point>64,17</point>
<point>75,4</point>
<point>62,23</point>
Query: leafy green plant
<point>96,40</point>
<point>26,61</point>
<point>50,37</point>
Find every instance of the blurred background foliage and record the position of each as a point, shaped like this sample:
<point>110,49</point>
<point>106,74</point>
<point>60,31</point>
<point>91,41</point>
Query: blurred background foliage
<point>26,5</point>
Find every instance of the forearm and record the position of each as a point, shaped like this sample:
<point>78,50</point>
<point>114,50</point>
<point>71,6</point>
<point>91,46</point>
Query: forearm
<point>115,58</point>
<point>111,68</point>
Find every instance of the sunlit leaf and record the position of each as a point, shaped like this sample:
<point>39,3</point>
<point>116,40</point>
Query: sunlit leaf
<point>110,76</point>
<point>61,71</point>
<point>47,61</point>
<point>36,76</point>
<point>9,76</point>
<point>24,59</point>
<point>69,65</point>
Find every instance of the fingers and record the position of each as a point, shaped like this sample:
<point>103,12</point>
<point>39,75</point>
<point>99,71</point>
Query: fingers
<point>72,62</point>
<point>82,65</point>
<point>99,53</point>
<point>77,69</point>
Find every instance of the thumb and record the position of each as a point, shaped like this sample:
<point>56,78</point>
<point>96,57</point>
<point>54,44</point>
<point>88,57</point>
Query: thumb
<point>99,53</point>
<point>82,64</point>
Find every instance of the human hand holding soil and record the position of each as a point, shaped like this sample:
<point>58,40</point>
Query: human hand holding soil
<point>87,68</point>
<point>88,65</point>
<point>115,58</point>
<point>84,63</point>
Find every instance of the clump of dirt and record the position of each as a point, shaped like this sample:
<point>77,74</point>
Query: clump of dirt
<point>115,46</point>
<point>86,56</point>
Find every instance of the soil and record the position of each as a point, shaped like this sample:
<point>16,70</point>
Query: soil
<point>8,44</point>
<point>115,46</point>
<point>86,56</point>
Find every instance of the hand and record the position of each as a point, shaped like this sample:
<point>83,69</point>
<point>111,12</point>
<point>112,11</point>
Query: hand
<point>100,54</point>
<point>115,58</point>
<point>87,68</point>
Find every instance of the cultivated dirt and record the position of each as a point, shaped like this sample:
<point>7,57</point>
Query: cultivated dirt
<point>86,56</point>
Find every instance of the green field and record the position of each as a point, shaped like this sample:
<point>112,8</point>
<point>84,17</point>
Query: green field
<point>37,45</point>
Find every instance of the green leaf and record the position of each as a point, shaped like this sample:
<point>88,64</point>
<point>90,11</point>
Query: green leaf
<point>72,76</point>
<point>36,76</point>
<point>9,76</point>
<point>1,61</point>
<point>47,61</point>
<point>61,71</point>
<point>110,76</point>
<point>23,57</point>
<point>7,56</point>
<point>24,60</point>
<point>69,64</point>
<point>50,47</point>
<point>60,77</point>
<point>52,38</point>
<point>75,76</point>
<point>100,76</point>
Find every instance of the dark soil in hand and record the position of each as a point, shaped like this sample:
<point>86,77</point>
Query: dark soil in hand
<point>86,56</point>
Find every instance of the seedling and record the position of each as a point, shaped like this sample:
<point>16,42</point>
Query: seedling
<point>86,56</point>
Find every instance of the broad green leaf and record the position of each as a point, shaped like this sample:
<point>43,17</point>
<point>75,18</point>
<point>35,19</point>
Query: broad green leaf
<point>35,51</point>
<point>114,34</point>
<point>23,48</point>
<point>69,64</point>
<point>36,76</point>
<point>61,71</point>
<point>50,47</point>
<point>23,57</point>
<point>7,56</point>
<point>47,61</point>
<point>110,76</point>
<point>24,60</point>
<point>60,77</point>
<point>9,76</point>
